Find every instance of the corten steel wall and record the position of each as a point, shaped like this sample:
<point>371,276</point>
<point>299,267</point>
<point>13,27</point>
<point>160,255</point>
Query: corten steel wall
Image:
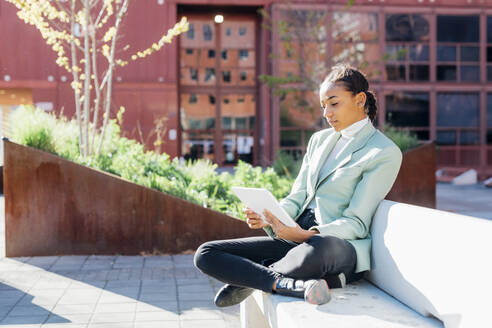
<point>416,181</point>
<point>54,206</point>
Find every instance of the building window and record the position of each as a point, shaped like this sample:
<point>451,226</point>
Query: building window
<point>207,32</point>
<point>211,53</point>
<point>407,47</point>
<point>228,31</point>
<point>226,123</point>
<point>194,74</point>
<point>457,118</point>
<point>243,76</point>
<point>190,34</point>
<point>458,54</point>
<point>242,31</point>
<point>224,54</point>
<point>243,54</point>
<point>409,110</point>
<point>209,74</point>
<point>210,123</point>
<point>355,38</point>
<point>193,99</point>
<point>211,100</point>
<point>189,51</point>
<point>226,76</point>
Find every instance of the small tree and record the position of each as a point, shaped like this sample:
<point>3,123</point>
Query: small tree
<point>80,31</point>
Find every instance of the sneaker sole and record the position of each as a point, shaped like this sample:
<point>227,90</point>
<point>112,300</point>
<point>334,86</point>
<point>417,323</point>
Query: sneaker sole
<point>234,298</point>
<point>318,293</point>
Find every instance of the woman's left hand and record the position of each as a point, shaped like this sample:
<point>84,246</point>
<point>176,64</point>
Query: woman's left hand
<point>296,233</point>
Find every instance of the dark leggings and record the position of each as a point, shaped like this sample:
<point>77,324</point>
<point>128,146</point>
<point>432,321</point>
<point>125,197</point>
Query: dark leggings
<point>257,262</point>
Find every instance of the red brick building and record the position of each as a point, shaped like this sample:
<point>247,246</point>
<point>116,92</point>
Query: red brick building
<point>429,62</point>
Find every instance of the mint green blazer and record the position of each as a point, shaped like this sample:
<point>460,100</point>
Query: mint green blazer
<point>351,189</point>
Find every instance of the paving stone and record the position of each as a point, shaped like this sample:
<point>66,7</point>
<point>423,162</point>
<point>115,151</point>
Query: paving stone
<point>202,324</point>
<point>205,288</point>
<point>112,325</point>
<point>113,274</point>
<point>157,297</point>
<point>156,316</point>
<point>157,283</point>
<point>162,273</point>
<point>112,317</point>
<point>198,314</point>
<point>124,284</point>
<point>24,326</point>
<point>132,292</point>
<point>40,260</point>
<point>193,281</point>
<point>102,258</point>
<point>66,309</point>
<point>28,310</point>
<point>197,304</point>
<point>157,324</point>
<point>115,307</point>
<point>24,320</point>
<point>83,293</point>
<point>152,289</point>
<point>94,275</point>
<point>157,306</point>
<point>5,301</point>
<point>4,310</point>
<point>86,285</point>
<point>51,284</point>
<point>61,325</point>
<point>69,319</point>
<point>109,297</point>
<point>204,296</point>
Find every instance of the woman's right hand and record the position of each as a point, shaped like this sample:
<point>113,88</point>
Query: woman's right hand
<point>253,219</point>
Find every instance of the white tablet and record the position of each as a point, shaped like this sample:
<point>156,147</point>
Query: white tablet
<point>259,199</point>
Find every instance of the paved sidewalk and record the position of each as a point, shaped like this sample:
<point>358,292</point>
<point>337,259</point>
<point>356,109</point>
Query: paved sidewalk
<point>109,291</point>
<point>474,200</point>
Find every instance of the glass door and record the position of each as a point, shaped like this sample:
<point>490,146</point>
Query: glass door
<point>218,89</point>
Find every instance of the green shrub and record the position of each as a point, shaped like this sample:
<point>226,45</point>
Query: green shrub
<point>32,128</point>
<point>401,137</point>
<point>286,165</point>
<point>195,181</point>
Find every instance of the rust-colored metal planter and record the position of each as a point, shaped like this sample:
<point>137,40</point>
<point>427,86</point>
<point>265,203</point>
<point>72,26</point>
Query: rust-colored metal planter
<point>416,181</point>
<point>56,207</point>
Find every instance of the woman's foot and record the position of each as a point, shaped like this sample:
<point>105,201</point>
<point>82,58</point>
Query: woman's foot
<point>313,291</point>
<point>230,295</point>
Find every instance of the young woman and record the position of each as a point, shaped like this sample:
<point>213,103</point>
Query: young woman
<point>346,171</point>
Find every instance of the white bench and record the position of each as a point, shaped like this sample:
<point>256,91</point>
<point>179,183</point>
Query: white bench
<point>430,268</point>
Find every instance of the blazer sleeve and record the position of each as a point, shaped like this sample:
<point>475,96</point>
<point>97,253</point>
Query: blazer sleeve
<point>374,185</point>
<point>298,193</point>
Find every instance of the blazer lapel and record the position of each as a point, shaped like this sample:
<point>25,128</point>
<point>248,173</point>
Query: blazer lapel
<point>345,154</point>
<point>320,156</point>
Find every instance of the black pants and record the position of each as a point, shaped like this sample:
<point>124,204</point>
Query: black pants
<point>258,261</point>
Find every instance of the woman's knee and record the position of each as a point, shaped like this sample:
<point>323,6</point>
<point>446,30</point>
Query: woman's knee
<point>328,247</point>
<point>202,255</point>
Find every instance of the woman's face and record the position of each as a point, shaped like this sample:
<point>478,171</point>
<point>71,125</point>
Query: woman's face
<point>340,108</point>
